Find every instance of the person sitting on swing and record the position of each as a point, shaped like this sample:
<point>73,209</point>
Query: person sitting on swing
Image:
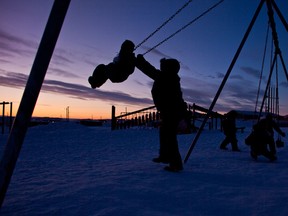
<point>117,71</point>
<point>264,131</point>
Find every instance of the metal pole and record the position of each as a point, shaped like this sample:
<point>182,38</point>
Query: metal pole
<point>10,123</point>
<point>31,92</point>
<point>269,4</point>
<point>113,118</point>
<point>224,80</point>
<point>280,14</point>
<point>3,117</point>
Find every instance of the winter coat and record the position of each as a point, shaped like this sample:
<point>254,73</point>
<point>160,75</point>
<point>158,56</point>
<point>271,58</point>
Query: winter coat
<point>229,127</point>
<point>166,90</point>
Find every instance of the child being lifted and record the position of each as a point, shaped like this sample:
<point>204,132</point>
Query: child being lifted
<point>117,71</point>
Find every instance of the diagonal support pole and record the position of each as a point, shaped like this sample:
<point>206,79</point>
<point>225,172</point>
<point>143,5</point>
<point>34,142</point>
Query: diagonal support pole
<point>224,79</point>
<point>280,14</point>
<point>31,93</point>
<point>270,4</point>
<point>274,32</point>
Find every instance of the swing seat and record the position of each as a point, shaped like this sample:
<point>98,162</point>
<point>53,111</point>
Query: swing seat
<point>119,72</point>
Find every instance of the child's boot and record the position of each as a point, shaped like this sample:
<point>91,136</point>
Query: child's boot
<point>99,76</point>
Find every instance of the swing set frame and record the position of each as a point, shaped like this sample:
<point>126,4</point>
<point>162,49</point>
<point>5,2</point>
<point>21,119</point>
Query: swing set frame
<point>270,6</point>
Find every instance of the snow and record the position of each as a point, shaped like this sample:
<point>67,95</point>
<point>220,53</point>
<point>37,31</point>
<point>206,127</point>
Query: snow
<point>65,168</point>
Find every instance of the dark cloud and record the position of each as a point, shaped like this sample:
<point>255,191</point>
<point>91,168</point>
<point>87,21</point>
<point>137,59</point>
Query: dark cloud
<point>251,71</point>
<point>240,95</point>
<point>17,80</point>
<point>237,93</point>
<point>220,75</point>
<point>11,45</point>
<point>236,77</point>
<point>62,73</point>
<point>12,39</point>
<point>185,67</point>
<point>284,84</point>
<point>13,80</point>
<point>155,51</point>
<point>91,62</point>
<point>234,95</point>
<point>198,96</point>
<point>59,58</point>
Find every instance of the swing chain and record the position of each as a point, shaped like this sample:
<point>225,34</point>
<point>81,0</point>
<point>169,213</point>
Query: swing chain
<point>185,26</point>
<point>262,68</point>
<point>167,21</point>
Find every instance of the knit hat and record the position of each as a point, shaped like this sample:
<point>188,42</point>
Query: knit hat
<point>127,46</point>
<point>172,65</point>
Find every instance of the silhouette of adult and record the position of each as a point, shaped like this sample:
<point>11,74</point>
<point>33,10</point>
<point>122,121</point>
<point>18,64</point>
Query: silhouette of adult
<point>167,97</point>
<point>264,137</point>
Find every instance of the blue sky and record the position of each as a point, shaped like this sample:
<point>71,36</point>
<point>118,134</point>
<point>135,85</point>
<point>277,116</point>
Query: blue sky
<point>93,32</point>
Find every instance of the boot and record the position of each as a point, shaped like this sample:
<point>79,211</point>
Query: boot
<point>98,77</point>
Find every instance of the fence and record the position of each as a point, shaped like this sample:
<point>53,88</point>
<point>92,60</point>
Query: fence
<point>150,117</point>
<point>198,114</point>
<point>143,117</point>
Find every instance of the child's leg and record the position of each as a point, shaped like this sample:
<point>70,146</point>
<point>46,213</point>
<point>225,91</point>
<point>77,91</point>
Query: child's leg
<point>99,76</point>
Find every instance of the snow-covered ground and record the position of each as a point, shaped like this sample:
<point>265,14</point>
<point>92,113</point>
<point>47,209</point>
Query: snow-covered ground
<point>65,168</point>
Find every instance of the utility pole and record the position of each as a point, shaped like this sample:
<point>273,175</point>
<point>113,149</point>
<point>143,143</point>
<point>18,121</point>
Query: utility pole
<point>67,113</point>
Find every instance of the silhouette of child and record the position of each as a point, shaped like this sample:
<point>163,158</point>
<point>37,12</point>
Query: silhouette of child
<point>229,129</point>
<point>117,71</point>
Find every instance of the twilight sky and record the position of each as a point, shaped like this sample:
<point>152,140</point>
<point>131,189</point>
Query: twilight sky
<point>93,32</point>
